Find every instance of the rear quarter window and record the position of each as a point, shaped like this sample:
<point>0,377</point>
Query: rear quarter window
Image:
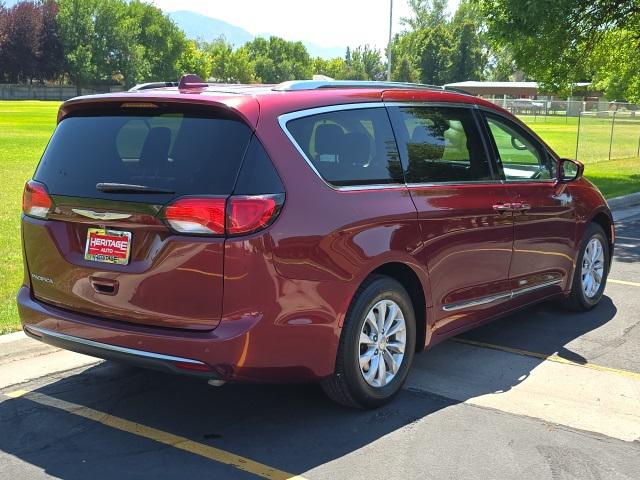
<point>349,147</point>
<point>185,153</point>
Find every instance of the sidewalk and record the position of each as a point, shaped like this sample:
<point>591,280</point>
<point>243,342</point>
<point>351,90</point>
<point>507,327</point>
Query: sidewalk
<point>23,359</point>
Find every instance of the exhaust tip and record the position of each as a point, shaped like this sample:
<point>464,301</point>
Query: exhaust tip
<point>214,382</point>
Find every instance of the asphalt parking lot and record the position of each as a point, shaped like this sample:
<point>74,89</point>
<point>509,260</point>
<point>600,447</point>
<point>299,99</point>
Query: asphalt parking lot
<point>543,394</point>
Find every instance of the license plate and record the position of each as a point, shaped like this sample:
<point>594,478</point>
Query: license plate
<point>108,246</point>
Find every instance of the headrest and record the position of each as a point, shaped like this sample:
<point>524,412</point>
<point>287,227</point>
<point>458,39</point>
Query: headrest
<point>329,138</point>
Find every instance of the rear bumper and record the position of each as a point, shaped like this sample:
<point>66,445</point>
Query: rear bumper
<point>141,358</point>
<point>249,348</point>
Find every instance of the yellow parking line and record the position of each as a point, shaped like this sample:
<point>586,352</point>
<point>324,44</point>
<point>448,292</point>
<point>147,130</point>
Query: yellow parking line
<point>624,282</point>
<point>166,438</point>
<point>551,358</point>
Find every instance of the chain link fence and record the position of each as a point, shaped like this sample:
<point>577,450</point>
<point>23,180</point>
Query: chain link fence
<point>608,136</point>
<point>591,131</point>
<point>50,92</point>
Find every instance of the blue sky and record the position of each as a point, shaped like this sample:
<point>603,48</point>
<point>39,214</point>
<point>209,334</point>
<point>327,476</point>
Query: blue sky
<point>327,23</point>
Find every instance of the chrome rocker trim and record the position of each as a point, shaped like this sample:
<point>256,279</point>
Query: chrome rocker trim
<point>452,307</point>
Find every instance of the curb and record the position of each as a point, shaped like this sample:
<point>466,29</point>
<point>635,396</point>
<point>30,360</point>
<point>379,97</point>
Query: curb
<point>624,201</point>
<point>12,337</point>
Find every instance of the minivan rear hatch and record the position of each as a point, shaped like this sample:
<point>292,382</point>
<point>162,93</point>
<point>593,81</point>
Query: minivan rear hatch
<point>104,249</point>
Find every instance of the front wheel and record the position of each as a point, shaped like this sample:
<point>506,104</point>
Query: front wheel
<point>377,345</point>
<point>592,269</point>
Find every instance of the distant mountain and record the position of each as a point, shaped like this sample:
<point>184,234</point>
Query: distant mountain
<point>200,27</point>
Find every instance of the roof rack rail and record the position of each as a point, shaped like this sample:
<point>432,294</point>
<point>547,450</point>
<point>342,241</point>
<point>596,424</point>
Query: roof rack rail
<point>296,85</point>
<point>147,86</point>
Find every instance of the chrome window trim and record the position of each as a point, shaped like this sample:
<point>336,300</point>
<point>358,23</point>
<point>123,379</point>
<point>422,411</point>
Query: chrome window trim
<point>455,183</point>
<point>452,307</point>
<point>287,117</point>
<point>112,348</point>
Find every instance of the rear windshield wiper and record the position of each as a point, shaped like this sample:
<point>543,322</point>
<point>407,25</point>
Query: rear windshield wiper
<point>129,188</point>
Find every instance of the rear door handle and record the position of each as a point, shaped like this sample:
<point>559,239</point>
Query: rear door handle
<point>520,207</point>
<point>511,207</point>
<point>502,207</point>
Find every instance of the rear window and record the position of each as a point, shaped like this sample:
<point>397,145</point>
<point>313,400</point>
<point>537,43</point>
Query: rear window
<point>184,153</point>
<point>350,147</point>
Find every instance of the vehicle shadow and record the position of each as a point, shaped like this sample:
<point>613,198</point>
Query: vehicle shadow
<point>293,428</point>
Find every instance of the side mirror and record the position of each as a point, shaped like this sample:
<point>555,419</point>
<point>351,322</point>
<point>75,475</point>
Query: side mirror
<point>569,170</point>
<point>517,144</point>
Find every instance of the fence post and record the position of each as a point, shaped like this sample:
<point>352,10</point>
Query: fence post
<point>613,122</point>
<point>578,135</point>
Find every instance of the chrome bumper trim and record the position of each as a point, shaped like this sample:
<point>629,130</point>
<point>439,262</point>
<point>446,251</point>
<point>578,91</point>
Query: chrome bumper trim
<point>39,331</point>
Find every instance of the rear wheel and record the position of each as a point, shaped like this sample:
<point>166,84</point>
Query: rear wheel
<point>592,269</point>
<point>376,347</point>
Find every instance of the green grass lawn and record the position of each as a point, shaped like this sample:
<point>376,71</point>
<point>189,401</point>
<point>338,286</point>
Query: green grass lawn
<point>560,133</point>
<point>26,127</point>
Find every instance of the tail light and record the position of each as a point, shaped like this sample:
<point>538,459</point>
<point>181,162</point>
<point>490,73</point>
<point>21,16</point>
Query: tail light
<point>36,201</point>
<point>236,215</point>
<point>197,215</point>
<point>250,213</point>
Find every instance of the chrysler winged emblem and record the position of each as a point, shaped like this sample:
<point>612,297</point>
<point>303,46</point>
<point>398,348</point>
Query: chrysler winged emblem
<point>101,215</point>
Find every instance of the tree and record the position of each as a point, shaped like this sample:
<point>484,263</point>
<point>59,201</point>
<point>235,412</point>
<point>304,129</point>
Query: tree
<point>616,64</point>
<point>434,55</point>
<point>163,42</point>
<point>469,50</point>
<point>21,46</point>
<point>500,65</point>
<point>335,68</point>
<point>4,19</point>
<point>405,70</point>
<point>117,55</point>
<point>51,60</point>
<point>557,43</point>
<point>195,61</point>
<point>277,60</point>
<point>437,49</point>
<point>426,14</point>
<point>372,64</point>
<point>228,65</point>
<point>75,23</point>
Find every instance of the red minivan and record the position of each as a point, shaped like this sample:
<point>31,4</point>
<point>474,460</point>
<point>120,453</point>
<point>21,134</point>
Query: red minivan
<point>309,231</point>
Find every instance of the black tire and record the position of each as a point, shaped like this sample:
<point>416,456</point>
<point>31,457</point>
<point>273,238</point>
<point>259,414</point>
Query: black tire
<point>577,300</point>
<point>347,385</point>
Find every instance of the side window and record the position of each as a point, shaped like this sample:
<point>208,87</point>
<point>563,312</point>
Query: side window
<point>350,147</point>
<point>522,158</point>
<point>440,145</point>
